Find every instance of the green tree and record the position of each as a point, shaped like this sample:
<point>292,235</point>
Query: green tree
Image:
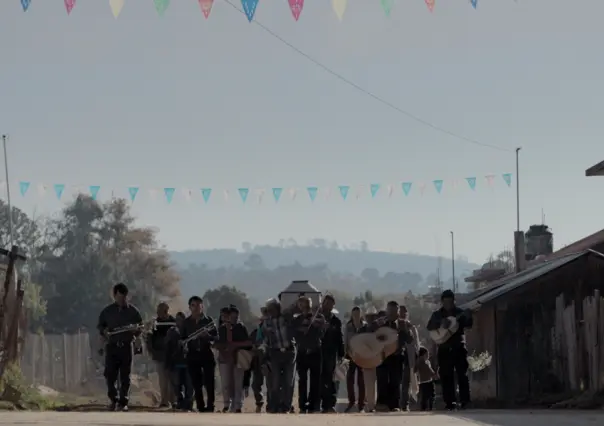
<point>216,299</point>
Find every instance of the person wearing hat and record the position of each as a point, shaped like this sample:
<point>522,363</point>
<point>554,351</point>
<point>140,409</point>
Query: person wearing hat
<point>452,355</point>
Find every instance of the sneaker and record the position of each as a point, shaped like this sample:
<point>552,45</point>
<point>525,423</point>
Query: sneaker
<point>124,408</point>
<point>361,409</point>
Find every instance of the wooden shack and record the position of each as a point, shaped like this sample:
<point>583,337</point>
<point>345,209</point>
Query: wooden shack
<point>534,326</point>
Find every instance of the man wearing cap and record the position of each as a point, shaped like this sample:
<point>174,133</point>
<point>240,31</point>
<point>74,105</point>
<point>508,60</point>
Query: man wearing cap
<point>452,355</point>
<point>332,351</point>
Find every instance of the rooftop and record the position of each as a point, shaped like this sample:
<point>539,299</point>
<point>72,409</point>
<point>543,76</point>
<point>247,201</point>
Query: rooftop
<point>597,170</point>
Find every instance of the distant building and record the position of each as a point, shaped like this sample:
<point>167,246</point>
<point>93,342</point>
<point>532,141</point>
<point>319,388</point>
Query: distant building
<point>539,241</point>
<point>597,170</point>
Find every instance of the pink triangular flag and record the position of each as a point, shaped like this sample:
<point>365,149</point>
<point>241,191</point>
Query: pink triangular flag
<point>69,5</point>
<point>326,193</point>
<point>206,7</point>
<point>490,179</point>
<point>430,4</point>
<point>455,184</point>
<point>422,188</point>
<point>296,7</point>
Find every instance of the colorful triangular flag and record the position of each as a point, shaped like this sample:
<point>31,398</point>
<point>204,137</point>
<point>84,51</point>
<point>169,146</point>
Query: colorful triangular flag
<point>390,190</point>
<point>42,189</point>
<point>187,194</point>
<point>277,194</point>
<point>205,194</point>
<point>471,182</point>
<point>293,193</point>
<point>116,7</point>
<point>422,188</point>
<point>344,191</point>
<point>339,7</point>
<point>326,193</point>
<point>507,177</point>
<point>260,195</point>
<point>161,6</point>
<point>226,195</point>
<point>243,193</point>
<point>387,6</point>
<point>438,185</point>
<point>69,5</point>
<point>407,187</point>
<point>490,179</point>
<point>206,7</point>
<point>430,4</point>
<point>94,191</point>
<point>25,4</point>
<point>374,188</point>
<point>23,187</point>
<point>296,7</point>
<point>133,191</point>
<point>474,3</point>
<point>249,7</point>
<point>312,192</point>
<point>59,188</point>
<point>169,193</point>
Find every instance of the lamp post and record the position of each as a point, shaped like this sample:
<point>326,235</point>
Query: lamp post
<point>518,189</point>
<point>10,209</point>
<point>453,261</point>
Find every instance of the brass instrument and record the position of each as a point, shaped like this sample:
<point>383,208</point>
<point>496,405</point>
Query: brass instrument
<point>196,334</point>
<point>125,329</point>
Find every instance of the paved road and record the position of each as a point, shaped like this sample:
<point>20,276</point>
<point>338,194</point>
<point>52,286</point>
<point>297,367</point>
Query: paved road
<point>470,418</point>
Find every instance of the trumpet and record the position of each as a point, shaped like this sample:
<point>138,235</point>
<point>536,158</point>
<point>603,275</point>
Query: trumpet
<point>125,329</point>
<point>380,321</point>
<point>152,325</point>
<point>196,334</point>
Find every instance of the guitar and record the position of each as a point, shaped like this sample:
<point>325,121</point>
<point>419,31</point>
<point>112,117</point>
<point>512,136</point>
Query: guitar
<point>442,334</point>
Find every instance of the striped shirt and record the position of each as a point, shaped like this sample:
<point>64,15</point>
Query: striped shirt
<point>276,333</point>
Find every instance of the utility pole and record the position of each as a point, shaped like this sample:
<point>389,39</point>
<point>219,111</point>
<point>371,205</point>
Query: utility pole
<point>453,261</point>
<point>518,189</point>
<point>10,208</point>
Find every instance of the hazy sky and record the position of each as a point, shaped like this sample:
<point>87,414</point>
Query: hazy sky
<point>185,102</point>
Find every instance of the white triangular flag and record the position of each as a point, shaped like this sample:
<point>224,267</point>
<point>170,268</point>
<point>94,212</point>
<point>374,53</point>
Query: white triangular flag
<point>116,7</point>
<point>42,189</point>
<point>292,193</point>
<point>152,194</point>
<point>390,190</point>
<point>422,188</point>
<point>187,194</point>
<point>260,194</point>
<point>226,195</point>
<point>327,193</point>
<point>358,191</point>
<point>339,6</point>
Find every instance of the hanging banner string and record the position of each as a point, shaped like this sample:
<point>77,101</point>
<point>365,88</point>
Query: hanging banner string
<point>204,194</point>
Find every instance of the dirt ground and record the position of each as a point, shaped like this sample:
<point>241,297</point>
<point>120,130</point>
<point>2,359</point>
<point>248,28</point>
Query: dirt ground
<point>495,418</point>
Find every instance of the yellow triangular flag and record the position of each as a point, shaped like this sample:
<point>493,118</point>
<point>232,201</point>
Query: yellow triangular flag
<point>116,7</point>
<point>339,6</point>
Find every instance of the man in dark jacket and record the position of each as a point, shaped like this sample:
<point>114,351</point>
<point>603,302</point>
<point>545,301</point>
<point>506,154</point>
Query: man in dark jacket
<point>119,346</point>
<point>200,359</point>
<point>308,331</point>
<point>156,344</point>
<point>176,363</point>
<point>452,355</point>
<point>332,352</point>
<point>259,363</point>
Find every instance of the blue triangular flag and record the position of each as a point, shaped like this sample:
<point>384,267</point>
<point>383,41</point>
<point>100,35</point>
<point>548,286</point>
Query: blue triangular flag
<point>249,7</point>
<point>205,193</point>
<point>474,3</point>
<point>23,187</point>
<point>407,187</point>
<point>438,184</point>
<point>25,4</point>
<point>374,188</point>
<point>169,193</point>
<point>133,191</point>
<point>471,182</point>
<point>59,188</point>
<point>344,191</point>
<point>243,193</point>
<point>312,192</point>
<point>94,191</point>
<point>507,177</point>
<point>277,194</point>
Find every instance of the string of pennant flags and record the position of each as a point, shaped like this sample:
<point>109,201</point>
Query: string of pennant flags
<point>249,6</point>
<point>345,192</point>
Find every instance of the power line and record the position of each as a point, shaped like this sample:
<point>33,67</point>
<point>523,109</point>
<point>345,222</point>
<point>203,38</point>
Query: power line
<point>367,92</point>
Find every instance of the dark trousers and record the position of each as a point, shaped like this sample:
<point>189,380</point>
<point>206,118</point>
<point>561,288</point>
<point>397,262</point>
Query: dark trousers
<point>257,382</point>
<point>247,378</point>
<point>354,372</point>
<point>202,372</point>
<point>426,396</point>
<point>328,385</point>
<point>118,366</point>
<point>309,364</point>
<point>452,362</point>
<point>183,389</point>
<point>389,375</point>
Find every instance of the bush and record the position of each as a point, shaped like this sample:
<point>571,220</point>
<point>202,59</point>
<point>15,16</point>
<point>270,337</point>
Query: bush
<point>15,393</point>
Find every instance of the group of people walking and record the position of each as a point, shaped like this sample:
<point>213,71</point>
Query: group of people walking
<point>299,340</point>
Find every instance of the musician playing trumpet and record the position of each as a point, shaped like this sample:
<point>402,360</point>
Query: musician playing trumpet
<point>200,358</point>
<point>120,324</point>
<point>452,354</point>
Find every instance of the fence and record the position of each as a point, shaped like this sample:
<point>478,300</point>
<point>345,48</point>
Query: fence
<point>59,361</point>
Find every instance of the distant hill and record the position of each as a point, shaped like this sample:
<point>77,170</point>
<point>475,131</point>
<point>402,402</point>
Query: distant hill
<point>361,263</point>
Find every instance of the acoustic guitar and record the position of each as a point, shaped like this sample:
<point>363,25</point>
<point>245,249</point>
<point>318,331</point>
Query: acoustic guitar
<point>442,334</point>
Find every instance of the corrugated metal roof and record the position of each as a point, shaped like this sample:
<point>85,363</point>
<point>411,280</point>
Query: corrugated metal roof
<point>512,282</point>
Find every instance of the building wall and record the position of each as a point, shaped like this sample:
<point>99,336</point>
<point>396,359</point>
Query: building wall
<point>480,339</point>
